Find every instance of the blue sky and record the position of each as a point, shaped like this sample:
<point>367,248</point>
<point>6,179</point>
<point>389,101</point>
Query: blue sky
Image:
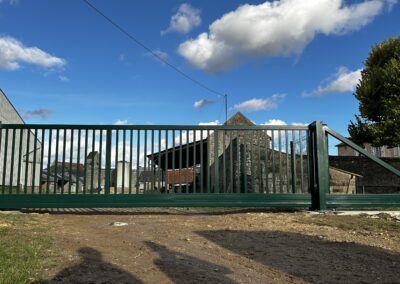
<point>287,61</point>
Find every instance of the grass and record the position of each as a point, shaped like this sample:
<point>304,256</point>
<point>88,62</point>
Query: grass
<point>358,223</point>
<point>24,248</point>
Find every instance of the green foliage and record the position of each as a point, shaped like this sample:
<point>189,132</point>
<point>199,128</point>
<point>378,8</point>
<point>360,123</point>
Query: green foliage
<point>379,95</point>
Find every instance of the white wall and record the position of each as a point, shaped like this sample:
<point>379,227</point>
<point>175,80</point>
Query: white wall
<point>9,115</point>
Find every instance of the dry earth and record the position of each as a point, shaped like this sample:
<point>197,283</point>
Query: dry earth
<point>222,246</point>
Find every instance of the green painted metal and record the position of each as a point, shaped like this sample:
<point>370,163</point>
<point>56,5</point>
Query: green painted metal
<point>108,162</point>
<point>137,160</point>
<point>123,158</point>
<point>238,161</point>
<point>3,188</point>
<point>21,137</point>
<point>131,160</point>
<point>78,159</point>
<point>152,159</point>
<point>85,162</point>
<point>266,163</point>
<point>116,162</point>
<point>92,165</point>
<point>280,161</point>
<point>273,161</point>
<point>218,194</point>
<point>301,161</point>
<point>144,161</point>
<point>55,162</point>
<point>187,161</point>
<point>100,155</point>
<point>231,162</point>
<point>71,152</point>
<point>12,160</point>
<point>362,201</point>
<point>362,151</point>
<point>293,165</point>
<point>252,180</point>
<point>216,166</point>
<point>319,152</point>
<point>63,161</point>
<point>155,200</point>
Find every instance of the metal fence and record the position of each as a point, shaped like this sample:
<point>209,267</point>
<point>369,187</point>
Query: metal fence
<point>158,162</point>
<point>152,165</point>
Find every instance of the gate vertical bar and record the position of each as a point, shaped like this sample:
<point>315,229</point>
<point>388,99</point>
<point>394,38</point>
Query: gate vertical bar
<point>216,168</point>
<point>107,174</point>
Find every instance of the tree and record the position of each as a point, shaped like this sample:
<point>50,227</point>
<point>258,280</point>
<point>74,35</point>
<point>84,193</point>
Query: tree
<point>378,93</point>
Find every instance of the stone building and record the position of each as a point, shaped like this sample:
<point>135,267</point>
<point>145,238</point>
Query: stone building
<point>247,155</point>
<point>29,172</point>
<point>380,152</point>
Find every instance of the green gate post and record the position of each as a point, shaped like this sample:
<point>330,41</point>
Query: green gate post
<point>319,166</point>
<point>107,176</point>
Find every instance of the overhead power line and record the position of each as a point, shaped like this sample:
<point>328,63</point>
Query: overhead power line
<point>138,42</point>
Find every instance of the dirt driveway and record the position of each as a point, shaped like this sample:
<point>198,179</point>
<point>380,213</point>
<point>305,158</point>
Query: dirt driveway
<point>222,246</point>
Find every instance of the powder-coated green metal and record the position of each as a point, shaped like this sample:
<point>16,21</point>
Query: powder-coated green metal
<point>219,194</point>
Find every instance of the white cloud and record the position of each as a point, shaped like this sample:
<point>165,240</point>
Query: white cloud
<point>275,28</point>
<point>63,78</point>
<point>260,104</point>
<point>161,54</point>
<point>342,81</point>
<point>215,122</point>
<point>13,52</point>
<point>11,2</point>
<point>121,122</point>
<point>274,122</point>
<point>42,113</point>
<point>185,19</point>
<point>202,102</point>
<point>281,122</point>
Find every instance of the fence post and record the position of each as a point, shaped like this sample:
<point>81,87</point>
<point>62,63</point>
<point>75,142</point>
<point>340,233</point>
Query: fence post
<point>107,174</point>
<point>319,166</point>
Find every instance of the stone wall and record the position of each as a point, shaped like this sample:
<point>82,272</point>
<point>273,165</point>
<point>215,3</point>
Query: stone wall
<point>375,179</point>
<point>269,170</point>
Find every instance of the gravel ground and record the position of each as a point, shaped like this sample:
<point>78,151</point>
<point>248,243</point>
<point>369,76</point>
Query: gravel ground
<point>222,246</point>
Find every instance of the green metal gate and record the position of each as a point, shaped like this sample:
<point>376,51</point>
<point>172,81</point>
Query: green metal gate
<point>86,166</point>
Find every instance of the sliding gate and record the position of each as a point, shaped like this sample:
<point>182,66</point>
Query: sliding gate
<point>44,166</point>
<point>87,166</point>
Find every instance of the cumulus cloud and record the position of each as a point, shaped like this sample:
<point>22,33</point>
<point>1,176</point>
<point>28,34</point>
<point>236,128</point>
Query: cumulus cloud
<point>13,53</point>
<point>342,81</point>
<point>185,19</point>
<point>275,28</point>
<point>202,103</point>
<point>260,104</point>
<point>41,113</point>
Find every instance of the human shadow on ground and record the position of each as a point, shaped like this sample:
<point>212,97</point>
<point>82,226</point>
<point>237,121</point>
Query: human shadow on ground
<point>310,257</point>
<point>184,268</point>
<point>93,269</point>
